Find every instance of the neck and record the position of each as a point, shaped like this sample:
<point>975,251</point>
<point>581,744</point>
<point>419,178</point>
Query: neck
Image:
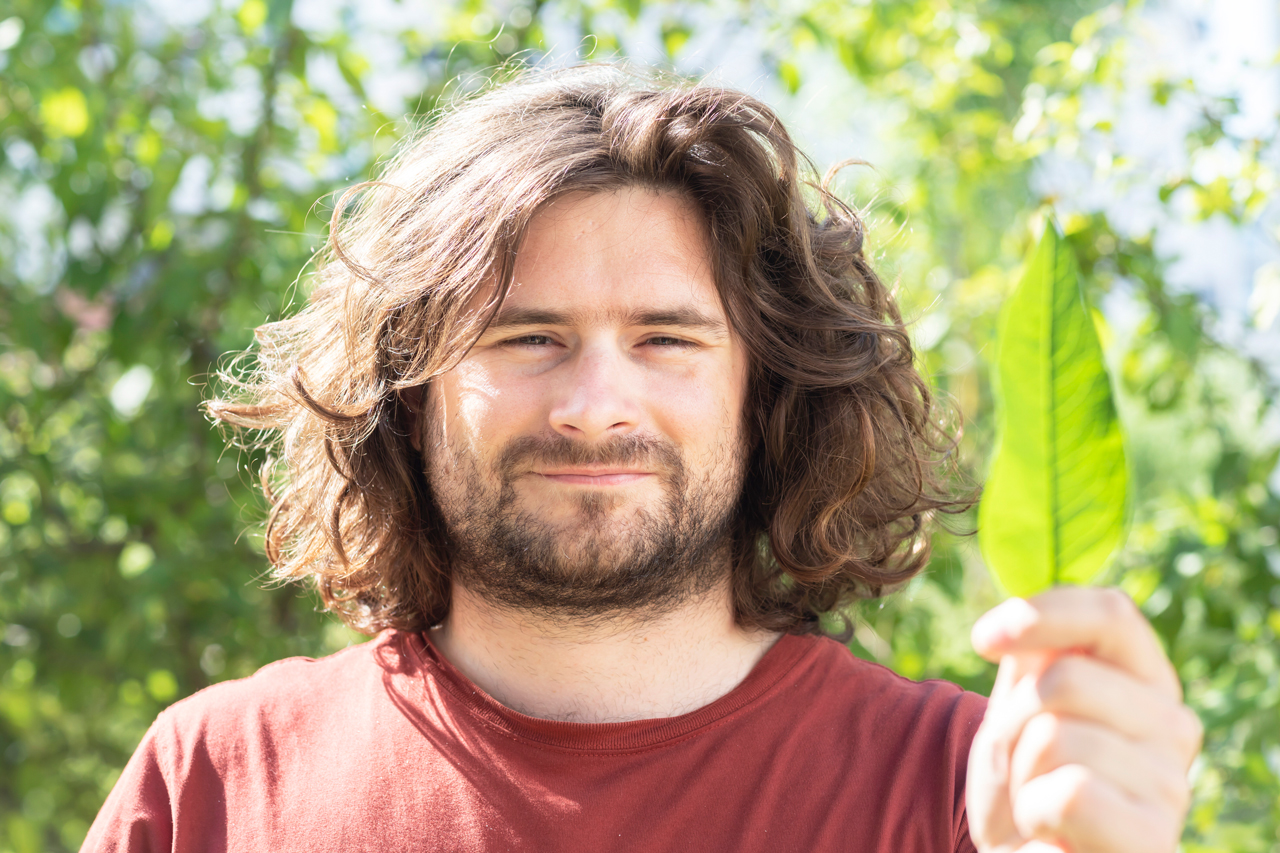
<point>626,669</point>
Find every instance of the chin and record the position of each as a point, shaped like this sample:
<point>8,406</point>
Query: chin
<point>588,508</point>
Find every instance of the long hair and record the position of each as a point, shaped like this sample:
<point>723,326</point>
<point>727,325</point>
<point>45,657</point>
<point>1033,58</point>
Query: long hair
<point>847,461</point>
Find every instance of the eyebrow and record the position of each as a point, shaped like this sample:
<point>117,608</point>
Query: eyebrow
<point>683,317</point>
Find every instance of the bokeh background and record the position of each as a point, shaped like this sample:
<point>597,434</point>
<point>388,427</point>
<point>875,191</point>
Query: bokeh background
<point>167,168</point>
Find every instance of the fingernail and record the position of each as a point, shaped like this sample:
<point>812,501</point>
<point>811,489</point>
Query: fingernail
<point>988,631</point>
<point>1014,616</point>
<point>999,765</point>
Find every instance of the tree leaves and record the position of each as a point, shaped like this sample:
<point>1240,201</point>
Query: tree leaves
<point>1054,504</point>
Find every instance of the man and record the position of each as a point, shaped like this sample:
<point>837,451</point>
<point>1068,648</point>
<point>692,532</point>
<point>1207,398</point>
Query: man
<point>593,418</point>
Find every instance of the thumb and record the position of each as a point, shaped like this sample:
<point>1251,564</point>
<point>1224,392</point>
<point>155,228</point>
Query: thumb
<point>988,792</point>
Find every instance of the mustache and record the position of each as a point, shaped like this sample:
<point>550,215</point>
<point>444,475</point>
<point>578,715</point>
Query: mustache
<point>526,452</point>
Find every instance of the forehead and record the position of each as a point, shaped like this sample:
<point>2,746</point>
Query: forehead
<point>600,254</point>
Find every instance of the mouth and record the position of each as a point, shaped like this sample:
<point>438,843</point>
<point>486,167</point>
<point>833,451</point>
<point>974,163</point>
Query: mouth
<point>593,476</point>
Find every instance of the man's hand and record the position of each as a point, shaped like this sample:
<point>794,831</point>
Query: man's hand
<point>1086,743</point>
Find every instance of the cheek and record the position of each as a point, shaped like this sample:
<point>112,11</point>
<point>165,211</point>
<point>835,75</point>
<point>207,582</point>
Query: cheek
<point>701,413</point>
<point>476,413</point>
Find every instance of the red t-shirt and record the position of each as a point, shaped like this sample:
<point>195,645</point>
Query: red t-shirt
<point>385,746</point>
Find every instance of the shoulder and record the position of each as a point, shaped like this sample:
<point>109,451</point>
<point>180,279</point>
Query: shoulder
<point>288,680</point>
<point>869,694</point>
<point>909,741</point>
<point>293,695</point>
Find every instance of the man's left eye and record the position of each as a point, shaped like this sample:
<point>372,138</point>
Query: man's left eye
<point>669,341</point>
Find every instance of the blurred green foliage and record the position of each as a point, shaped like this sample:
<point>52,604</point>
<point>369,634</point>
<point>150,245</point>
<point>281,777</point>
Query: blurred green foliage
<point>161,169</point>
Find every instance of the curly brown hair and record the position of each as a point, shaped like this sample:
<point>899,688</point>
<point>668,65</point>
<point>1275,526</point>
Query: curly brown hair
<point>847,461</point>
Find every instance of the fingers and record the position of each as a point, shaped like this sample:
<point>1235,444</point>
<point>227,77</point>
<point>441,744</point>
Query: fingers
<point>1091,690</point>
<point>987,789</point>
<point>1055,710</point>
<point>1079,710</point>
<point>1080,810</point>
<point>1049,742</point>
<point>1086,743</point>
<point>1102,622</point>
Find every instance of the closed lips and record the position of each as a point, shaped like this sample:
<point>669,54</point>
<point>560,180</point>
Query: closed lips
<point>594,477</point>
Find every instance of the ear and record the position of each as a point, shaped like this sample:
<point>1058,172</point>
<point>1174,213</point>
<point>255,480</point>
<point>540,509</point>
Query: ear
<point>413,400</point>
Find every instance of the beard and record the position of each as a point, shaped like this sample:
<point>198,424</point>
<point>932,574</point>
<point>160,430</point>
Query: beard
<point>609,556</point>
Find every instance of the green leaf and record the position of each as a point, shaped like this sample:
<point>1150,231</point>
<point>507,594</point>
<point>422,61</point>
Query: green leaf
<point>1053,508</point>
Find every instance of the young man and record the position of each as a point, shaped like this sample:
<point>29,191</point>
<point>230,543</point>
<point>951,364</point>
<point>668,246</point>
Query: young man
<point>592,418</point>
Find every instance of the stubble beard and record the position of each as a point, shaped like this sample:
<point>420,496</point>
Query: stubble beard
<point>606,562</point>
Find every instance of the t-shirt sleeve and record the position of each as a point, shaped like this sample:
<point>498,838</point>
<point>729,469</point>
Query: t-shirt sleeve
<point>969,713</point>
<point>138,814</point>
<point>964,844</point>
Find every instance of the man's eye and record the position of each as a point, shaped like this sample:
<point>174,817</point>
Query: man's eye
<point>669,341</point>
<point>529,341</point>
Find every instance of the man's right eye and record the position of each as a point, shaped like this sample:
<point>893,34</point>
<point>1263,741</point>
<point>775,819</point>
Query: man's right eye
<point>529,341</point>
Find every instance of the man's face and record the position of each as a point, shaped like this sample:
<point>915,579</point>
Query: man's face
<point>587,455</point>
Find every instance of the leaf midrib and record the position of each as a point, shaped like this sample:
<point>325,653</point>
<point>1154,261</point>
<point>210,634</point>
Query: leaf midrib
<point>1051,294</point>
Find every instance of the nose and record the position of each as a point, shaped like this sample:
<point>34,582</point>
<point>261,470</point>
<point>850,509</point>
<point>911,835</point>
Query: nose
<point>597,398</point>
